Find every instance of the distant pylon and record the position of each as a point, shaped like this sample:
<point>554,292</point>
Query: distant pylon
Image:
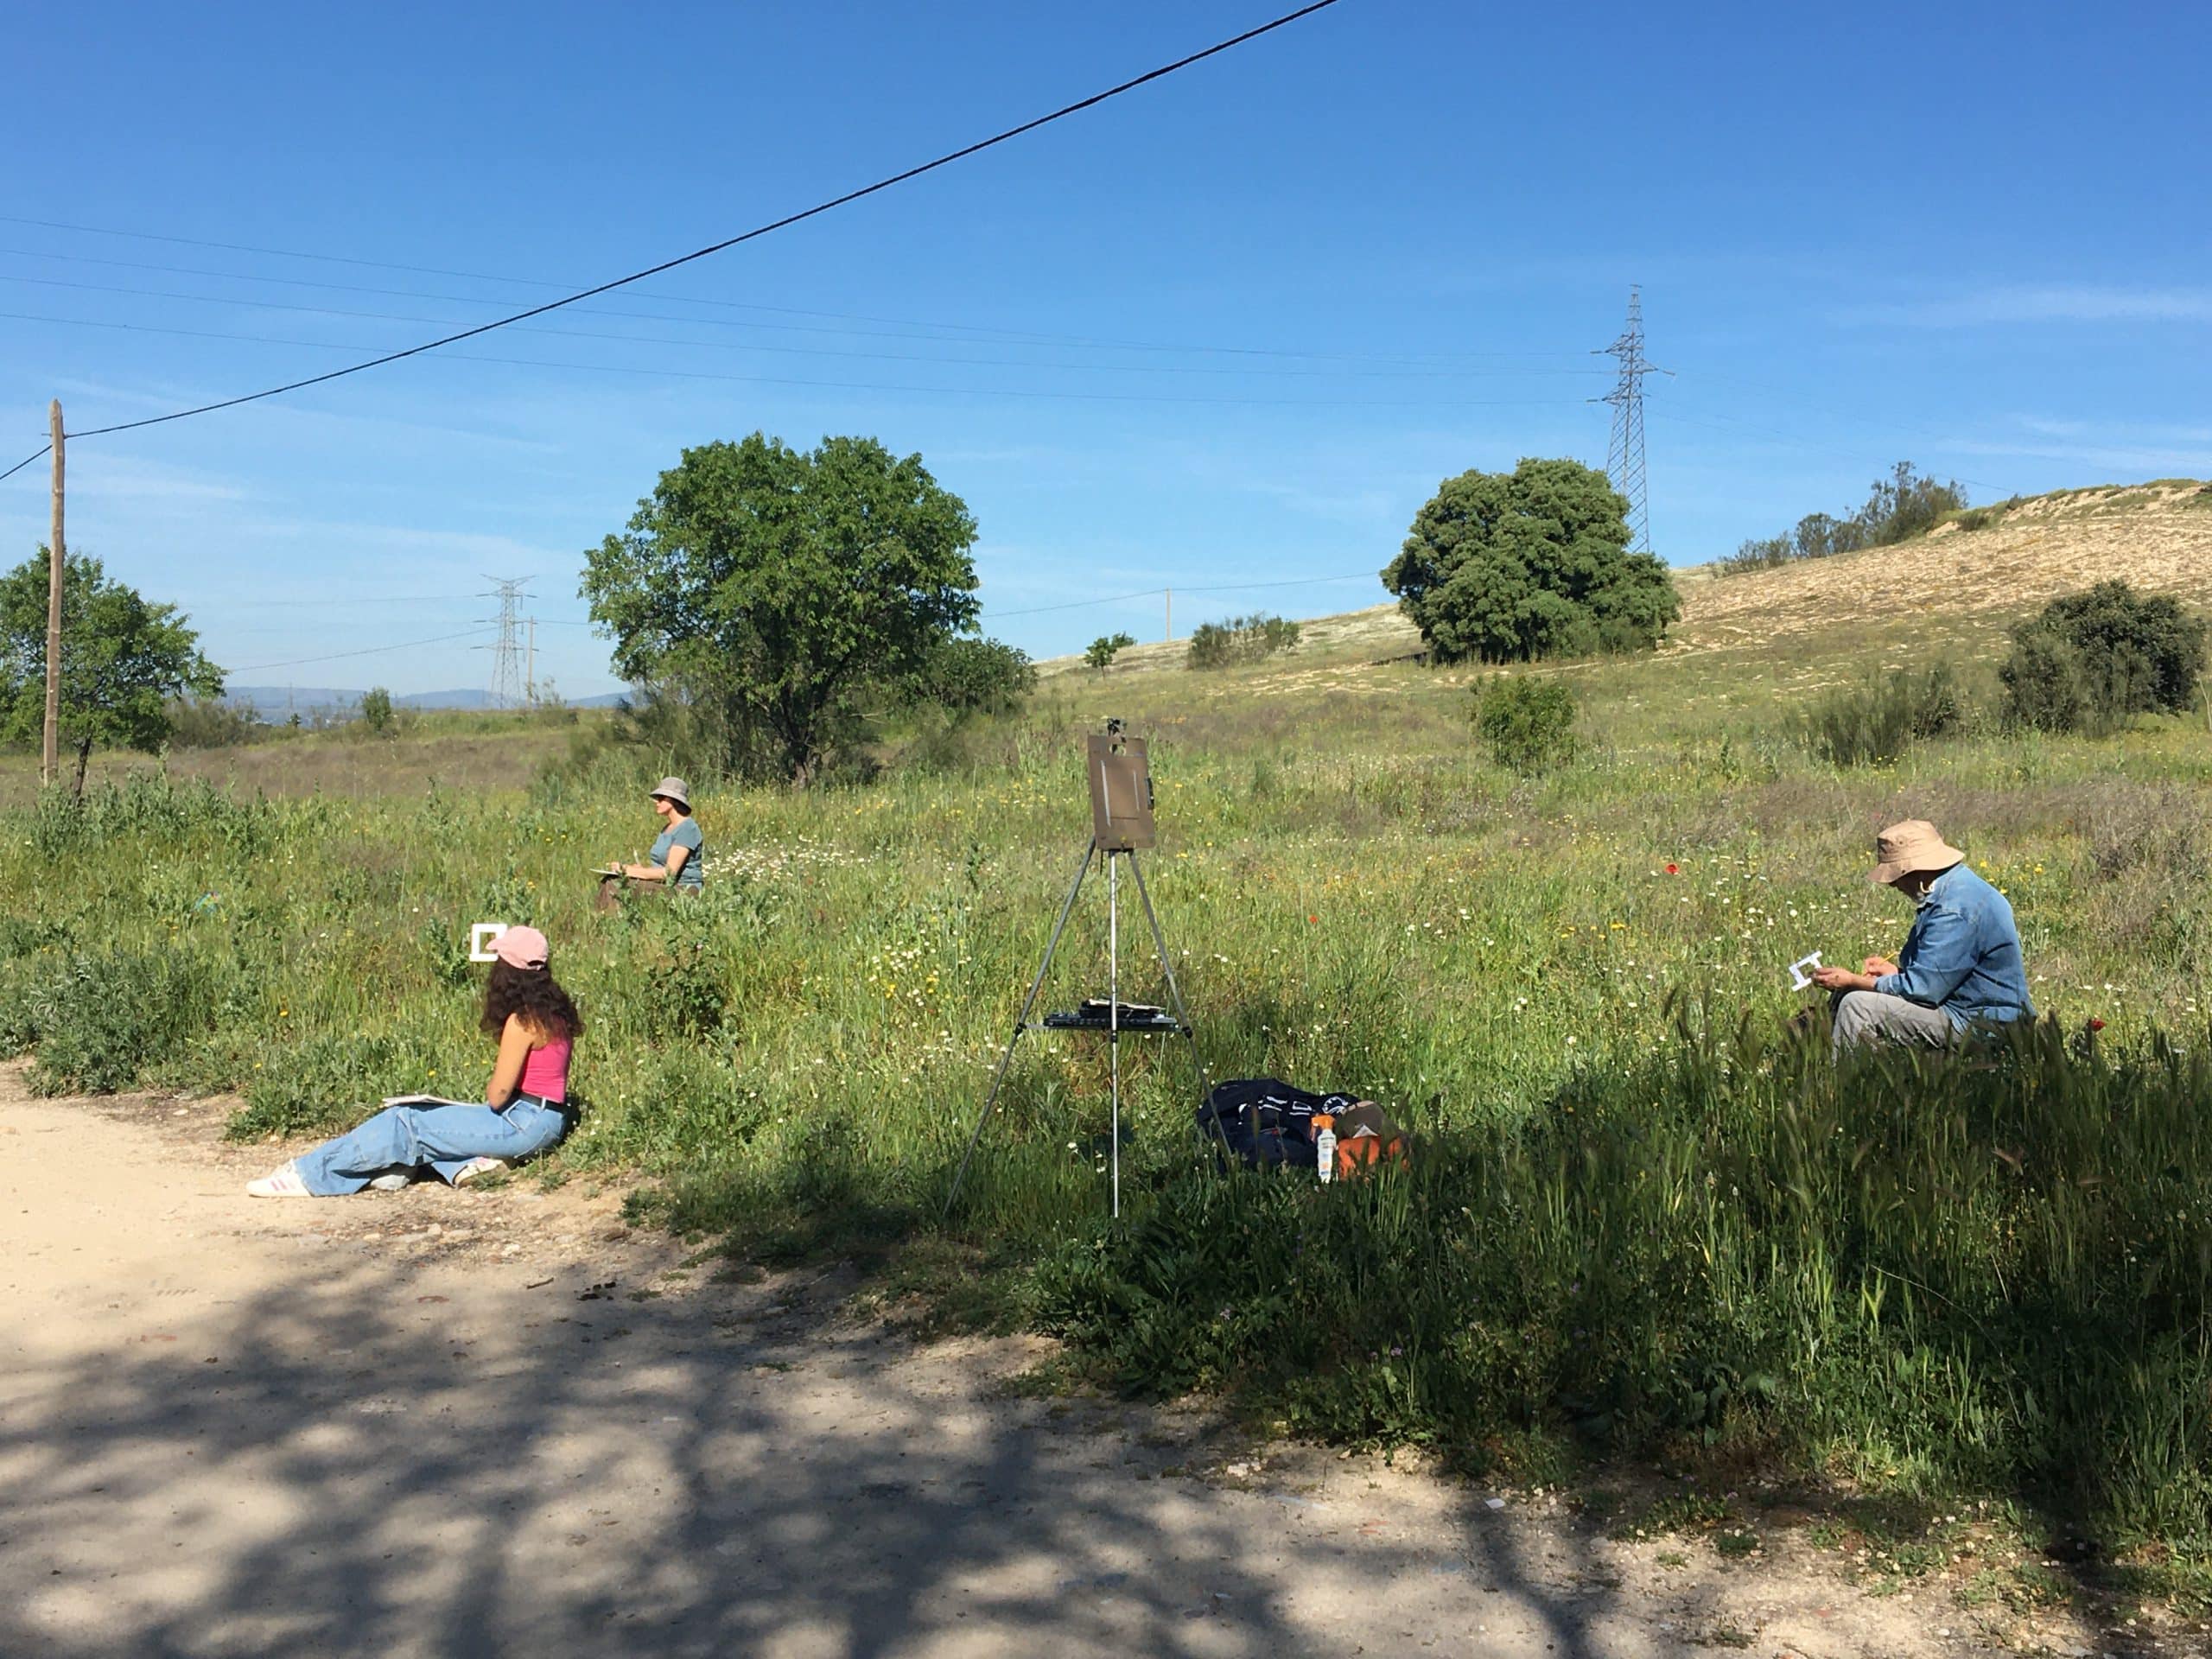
<point>1624,454</point>
<point>507,655</point>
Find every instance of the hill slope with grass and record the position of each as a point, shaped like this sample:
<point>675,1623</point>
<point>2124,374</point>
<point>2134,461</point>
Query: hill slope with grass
<point>1954,589</point>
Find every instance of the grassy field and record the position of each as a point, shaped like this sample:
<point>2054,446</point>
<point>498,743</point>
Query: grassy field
<point>429,750</point>
<point>1643,1218</point>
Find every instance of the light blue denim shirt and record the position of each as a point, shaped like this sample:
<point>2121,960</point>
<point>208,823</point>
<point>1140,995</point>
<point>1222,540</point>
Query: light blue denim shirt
<point>1963,953</point>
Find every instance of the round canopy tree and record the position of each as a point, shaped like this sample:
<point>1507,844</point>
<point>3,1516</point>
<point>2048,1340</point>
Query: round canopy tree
<point>1509,567</point>
<point>770,584</point>
<point>124,661</point>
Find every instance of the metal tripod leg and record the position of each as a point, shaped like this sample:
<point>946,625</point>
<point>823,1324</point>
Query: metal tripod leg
<point>1168,968</point>
<point>1022,1022</point>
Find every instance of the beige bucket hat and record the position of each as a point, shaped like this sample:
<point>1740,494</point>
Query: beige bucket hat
<point>674,789</point>
<point>1908,847</point>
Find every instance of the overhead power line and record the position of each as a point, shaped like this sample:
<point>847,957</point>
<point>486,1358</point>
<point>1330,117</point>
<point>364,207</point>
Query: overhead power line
<point>758,230</point>
<point>1155,592</point>
<point>368,651</point>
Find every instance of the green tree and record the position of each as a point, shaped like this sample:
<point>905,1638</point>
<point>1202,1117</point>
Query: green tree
<point>124,661</point>
<point>1102,652</point>
<point>767,585</point>
<point>1509,567</point>
<point>376,709</point>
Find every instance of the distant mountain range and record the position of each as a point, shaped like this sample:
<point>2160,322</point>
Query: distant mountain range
<point>278,703</point>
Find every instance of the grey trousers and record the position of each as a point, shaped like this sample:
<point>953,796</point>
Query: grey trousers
<point>1865,1017</point>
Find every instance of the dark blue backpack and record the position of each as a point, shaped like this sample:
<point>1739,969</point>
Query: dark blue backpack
<point>1264,1121</point>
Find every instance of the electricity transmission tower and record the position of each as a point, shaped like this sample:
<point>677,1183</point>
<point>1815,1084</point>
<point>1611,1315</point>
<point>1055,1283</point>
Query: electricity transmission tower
<point>507,655</point>
<point>1625,454</point>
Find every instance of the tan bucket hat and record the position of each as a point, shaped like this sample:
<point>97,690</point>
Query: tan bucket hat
<point>674,789</point>
<point>1908,847</point>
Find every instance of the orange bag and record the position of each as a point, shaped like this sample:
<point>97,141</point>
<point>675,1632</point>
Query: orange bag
<point>1366,1138</point>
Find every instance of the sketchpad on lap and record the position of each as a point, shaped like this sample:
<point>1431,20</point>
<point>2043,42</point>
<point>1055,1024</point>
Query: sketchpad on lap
<point>1266,1123</point>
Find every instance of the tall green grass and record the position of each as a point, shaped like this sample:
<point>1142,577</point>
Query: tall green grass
<point>1989,1271</point>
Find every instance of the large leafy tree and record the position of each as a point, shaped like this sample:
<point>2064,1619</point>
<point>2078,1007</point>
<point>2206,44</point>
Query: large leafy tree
<point>1508,567</point>
<point>124,661</point>
<point>770,584</point>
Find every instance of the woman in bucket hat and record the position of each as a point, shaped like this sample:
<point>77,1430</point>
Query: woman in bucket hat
<point>1960,967</point>
<point>679,856</point>
<point>525,1103</point>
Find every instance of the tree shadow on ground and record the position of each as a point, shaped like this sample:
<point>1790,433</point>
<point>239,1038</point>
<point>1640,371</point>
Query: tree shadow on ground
<point>370,1459</point>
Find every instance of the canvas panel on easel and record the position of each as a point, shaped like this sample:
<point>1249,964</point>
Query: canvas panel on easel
<point>1120,794</point>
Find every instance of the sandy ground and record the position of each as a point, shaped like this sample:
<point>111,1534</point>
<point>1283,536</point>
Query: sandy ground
<point>487,1422</point>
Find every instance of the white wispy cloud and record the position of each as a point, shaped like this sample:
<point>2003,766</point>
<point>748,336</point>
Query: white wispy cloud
<point>2129,431</point>
<point>2040,302</point>
<point>2115,449</point>
<point>121,476</point>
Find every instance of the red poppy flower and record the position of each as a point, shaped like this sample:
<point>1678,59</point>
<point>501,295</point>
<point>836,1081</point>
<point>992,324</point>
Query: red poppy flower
<point>1674,869</point>
<point>1312,918</point>
<point>2095,1024</point>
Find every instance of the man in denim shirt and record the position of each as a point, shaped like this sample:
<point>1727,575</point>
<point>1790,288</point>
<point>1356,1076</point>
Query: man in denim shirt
<point>1960,967</point>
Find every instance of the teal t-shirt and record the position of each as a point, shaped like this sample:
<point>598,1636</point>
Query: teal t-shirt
<point>684,832</point>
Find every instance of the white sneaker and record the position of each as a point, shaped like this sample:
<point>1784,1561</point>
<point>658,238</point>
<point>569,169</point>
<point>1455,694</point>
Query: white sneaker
<point>284,1183</point>
<point>476,1168</point>
<point>396,1182</point>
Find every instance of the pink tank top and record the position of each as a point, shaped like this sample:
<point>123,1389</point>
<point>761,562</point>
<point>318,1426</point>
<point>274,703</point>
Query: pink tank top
<point>545,1071</point>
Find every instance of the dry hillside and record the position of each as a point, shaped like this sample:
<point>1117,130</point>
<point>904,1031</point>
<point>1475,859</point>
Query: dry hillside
<point>1954,585</point>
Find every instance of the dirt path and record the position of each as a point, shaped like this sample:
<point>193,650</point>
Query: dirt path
<point>455,1423</point>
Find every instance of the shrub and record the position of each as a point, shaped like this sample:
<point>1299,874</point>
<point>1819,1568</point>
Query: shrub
<point>376,710</point>
<point>1101,651</point>
<point>210,723</point>
<point>1766,553</point>
<point>1528,724</point>
<point>694,730</point>
<point>1873,723</point>
<point>967,677</point>
<point>1241,639</point>
<point>2089,660</point>
<point>107,1015</point>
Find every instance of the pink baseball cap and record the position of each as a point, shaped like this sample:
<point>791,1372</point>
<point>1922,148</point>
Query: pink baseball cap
<point>522,947</point>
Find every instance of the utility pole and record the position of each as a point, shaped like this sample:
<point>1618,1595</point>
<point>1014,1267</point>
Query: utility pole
<point>49,753</point>
<point>530,674</point>
<point>1170,592</point>
<point>1624,454</point>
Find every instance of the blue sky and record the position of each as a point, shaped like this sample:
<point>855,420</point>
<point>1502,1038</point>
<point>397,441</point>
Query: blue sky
<point>1232,328</point>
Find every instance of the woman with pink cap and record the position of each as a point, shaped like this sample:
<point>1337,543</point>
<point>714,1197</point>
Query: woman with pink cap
<point>524,1109</point>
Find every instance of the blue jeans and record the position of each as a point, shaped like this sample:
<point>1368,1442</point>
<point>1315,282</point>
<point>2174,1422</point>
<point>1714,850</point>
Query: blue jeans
<point>445,1134</point>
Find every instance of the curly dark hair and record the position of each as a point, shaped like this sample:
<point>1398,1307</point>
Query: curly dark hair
<point>532,993</point>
